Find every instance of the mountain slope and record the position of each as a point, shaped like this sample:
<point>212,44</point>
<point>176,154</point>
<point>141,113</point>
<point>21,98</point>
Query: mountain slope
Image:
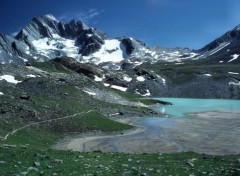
<point>226,47</point>
<point>12,50</point>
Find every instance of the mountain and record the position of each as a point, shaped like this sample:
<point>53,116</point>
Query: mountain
<point>226,48</point>
<point>211,72</point>
<point>12,50</point>
<point>45,38</point>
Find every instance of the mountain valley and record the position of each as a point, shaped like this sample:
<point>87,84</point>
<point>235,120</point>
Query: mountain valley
<point>62,80</point>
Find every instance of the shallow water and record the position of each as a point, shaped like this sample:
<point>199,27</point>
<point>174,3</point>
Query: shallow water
<point>200,125</point>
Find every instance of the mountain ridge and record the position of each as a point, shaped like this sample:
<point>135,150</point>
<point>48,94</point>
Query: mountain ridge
<point>45,38</point>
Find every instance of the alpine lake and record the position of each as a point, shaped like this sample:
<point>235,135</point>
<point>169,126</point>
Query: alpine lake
<point>210,126</point>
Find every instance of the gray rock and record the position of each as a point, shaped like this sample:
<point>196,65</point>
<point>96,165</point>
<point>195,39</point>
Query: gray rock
<point>24,97</point>
<point>3,162</point>
<point>36,164</point>
<point>190,163</point>
<point>58,161</point>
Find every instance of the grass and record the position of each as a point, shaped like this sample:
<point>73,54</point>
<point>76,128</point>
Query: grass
<point>21,160</point>
<point>46,134</point>
<point>51,67</point>
<point>132,97</point>
<point>87,122</point>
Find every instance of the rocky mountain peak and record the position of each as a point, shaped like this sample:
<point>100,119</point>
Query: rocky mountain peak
<point>74,28</point>
<point>39,27</point>
<point>50,17</point>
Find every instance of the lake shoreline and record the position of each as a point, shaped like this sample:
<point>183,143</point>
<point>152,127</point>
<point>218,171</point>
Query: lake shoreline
<point>179,137</point>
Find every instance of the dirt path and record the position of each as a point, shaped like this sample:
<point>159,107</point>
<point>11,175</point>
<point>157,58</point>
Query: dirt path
<point>36,123</point>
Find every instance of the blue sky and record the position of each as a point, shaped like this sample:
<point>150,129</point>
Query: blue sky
<point>165,23</point>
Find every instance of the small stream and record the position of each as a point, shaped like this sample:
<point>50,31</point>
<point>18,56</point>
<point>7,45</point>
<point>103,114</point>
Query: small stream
<point>208,126</point>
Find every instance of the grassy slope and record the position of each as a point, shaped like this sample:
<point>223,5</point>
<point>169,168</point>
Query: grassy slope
<point>185,72</point>
<point>33,144</point>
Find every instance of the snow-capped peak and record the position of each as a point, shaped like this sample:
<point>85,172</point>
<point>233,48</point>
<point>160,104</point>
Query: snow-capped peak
<point>51,17</point>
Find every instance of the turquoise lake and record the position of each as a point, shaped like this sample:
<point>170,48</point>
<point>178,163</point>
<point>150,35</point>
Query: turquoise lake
<point>182,106</point>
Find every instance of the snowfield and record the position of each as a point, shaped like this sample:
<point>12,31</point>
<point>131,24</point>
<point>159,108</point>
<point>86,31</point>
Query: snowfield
<point>46,45</point>
<point>111,51</point>
<point>9,79</point>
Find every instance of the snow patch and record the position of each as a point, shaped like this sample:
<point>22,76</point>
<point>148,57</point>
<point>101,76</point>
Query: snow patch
<point>89,93</point>
<point>179,63</point>
<point>137,64</point>
<point>113,114</point>
<point>207,74</point>
<point>24,60</point>
<point>235,56</point>
<point>147,94</point>
<point>97,79</point>
<point>106,84</point>
<point>123,89</point>
<point>31,76</point>
<point>233,73</point>
<point>220,62</point>
<point>51,17</point>
<point>1,93</point>
<point>127,78</point>
<point>89,35</point>
<point>163,80</point>
<point>220,47</point>
<point>234,84</point>
<point>9,79</point>
<point>140,79</point>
